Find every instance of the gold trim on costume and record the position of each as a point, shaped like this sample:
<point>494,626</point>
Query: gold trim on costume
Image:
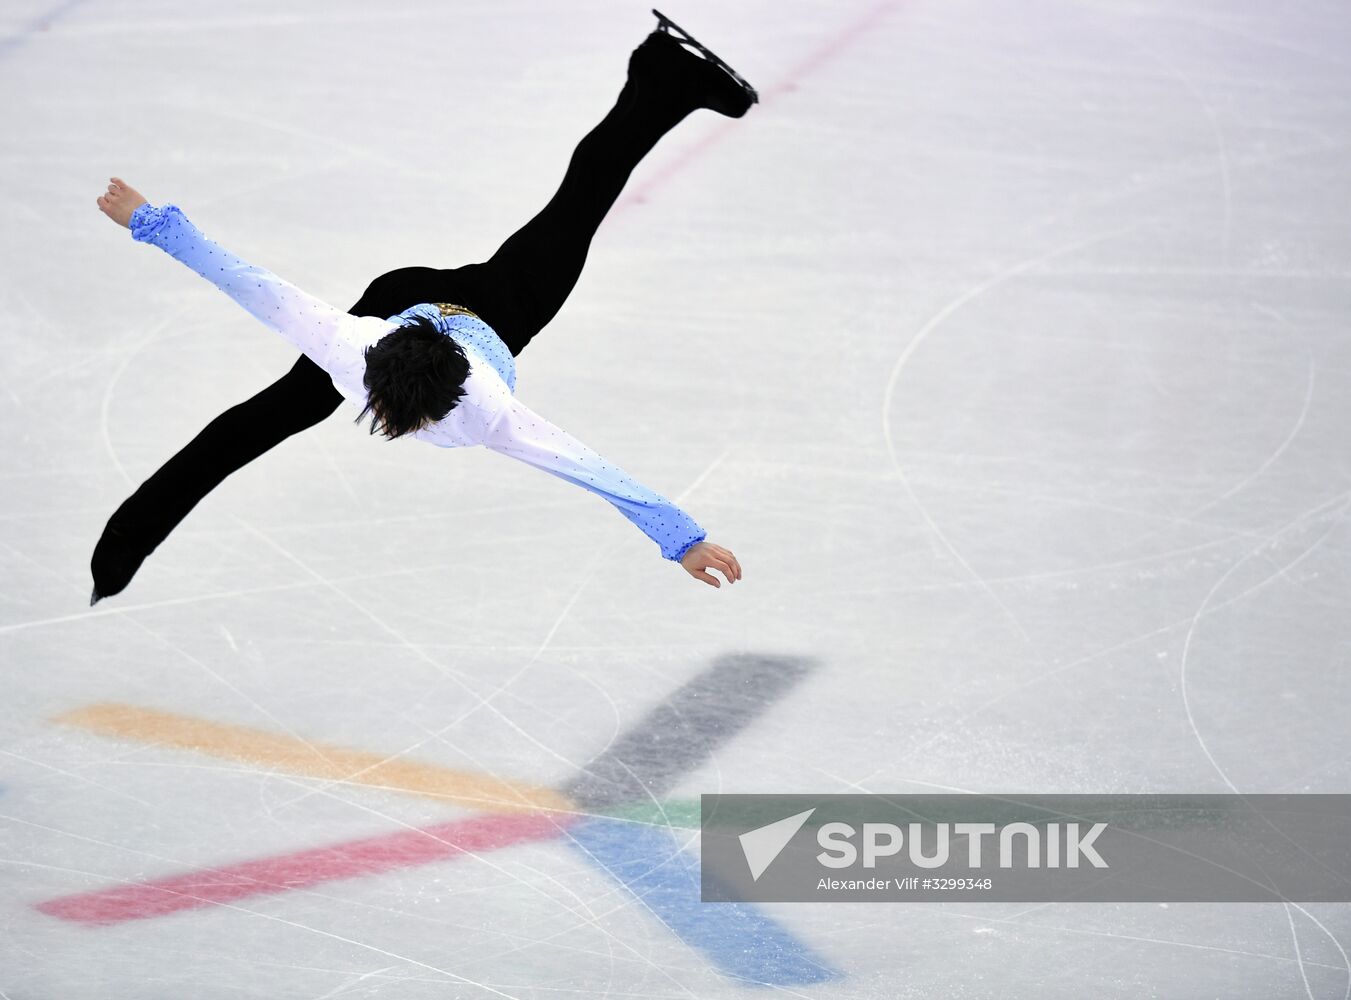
<point>451,309</point>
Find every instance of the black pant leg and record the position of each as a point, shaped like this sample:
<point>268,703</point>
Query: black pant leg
<point>524,284</point>
<point>299,399</point>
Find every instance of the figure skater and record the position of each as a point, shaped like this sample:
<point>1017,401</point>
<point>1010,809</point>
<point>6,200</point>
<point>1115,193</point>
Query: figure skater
<point>441,368</point>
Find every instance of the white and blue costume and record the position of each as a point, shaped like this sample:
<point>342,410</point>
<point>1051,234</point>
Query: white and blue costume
<point>487,414</point>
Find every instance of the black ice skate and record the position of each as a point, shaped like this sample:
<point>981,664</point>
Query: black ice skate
<point>118,555</point>
<point>718,86</point>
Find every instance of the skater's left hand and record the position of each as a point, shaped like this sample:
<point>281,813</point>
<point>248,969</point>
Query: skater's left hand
<point>705,556</point>
<point>120,201</point>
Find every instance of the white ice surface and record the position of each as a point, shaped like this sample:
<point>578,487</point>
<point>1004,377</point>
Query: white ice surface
<point>1005,343</point>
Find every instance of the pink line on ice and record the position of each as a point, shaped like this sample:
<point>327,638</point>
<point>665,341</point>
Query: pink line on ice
<point>212,886</point>
<point>813,61</point>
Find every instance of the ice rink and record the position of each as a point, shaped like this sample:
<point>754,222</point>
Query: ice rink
<point>1006,344</point>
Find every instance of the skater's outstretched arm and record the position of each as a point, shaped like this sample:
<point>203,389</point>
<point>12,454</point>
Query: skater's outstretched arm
<point>524,435</point>
<point>330,337</point>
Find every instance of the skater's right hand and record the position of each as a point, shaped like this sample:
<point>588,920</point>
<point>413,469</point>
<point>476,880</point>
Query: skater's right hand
<point>120,201</point>
<point>704,556</point>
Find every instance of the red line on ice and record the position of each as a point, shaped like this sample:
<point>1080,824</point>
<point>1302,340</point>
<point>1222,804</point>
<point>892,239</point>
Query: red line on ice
<point>211,886</point>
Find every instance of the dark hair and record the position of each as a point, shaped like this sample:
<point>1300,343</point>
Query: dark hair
<point>414,377</point>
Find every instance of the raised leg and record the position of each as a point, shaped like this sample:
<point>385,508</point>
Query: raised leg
<point>526,282</point>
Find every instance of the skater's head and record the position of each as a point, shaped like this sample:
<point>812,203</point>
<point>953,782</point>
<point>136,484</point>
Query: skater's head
<point>414,377</point>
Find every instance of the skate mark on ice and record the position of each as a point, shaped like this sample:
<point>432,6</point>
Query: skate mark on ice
<point>151,605</point>
<point>455,676</point>
<point>1201,611</point>
<point>173,321</point>
<point>1295,428</point>
<point>1098,654</point>
<point>76,776</point>
<point>1221,155</point>
<point>1022,926</point>
<point>257,706</point>
<point>937,320</point>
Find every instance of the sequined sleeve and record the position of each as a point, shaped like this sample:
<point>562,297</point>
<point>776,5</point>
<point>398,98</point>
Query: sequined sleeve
<point>524,435</point>
<point>331,338</point>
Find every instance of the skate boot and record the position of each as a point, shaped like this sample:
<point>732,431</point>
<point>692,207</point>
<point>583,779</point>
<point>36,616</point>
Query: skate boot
<point>683,68</point>
<point>118,555</point>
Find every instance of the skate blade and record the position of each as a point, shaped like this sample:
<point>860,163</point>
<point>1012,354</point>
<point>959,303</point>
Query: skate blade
<point>665,24</point>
